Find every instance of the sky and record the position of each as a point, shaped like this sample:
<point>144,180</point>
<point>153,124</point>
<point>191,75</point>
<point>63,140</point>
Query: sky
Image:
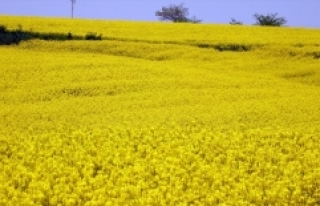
<point>299,13</point>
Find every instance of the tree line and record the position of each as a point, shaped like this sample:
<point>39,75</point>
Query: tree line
<point>15,36</point>
<point>179,13</point>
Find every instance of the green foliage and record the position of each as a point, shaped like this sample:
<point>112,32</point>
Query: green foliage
<point>269,20</point>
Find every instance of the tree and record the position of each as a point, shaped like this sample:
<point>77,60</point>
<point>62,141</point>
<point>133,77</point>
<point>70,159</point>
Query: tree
<point>194,20</point>
<point>269,20</point>
<point>176,13</point>
<point>235,22</point>
<point>72,7</point>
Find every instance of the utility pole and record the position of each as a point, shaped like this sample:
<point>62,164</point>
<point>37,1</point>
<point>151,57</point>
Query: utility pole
<point>72,6</point>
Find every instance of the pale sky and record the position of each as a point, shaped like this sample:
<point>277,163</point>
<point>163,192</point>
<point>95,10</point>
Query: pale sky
<point>299,13</point>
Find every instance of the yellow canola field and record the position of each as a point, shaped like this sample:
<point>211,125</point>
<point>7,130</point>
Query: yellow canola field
<point>190,165</point>
<point>160,114</point>
<point>166,32</point>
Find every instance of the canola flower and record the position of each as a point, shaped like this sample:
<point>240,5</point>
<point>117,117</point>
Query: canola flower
<point>160,114</point>
<point>69,82</point>
<point>184,165</point>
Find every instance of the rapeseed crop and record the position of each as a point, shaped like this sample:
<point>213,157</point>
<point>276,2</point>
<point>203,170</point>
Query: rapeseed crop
<point>160,166</point>
<point>160,114</point>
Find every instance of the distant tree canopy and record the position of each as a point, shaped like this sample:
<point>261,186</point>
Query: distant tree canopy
<point>235,22</point>
<point>269,20</point>
<point>176,13</point>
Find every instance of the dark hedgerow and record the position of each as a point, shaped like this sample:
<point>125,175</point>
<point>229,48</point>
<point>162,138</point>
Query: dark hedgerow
<point>227,47</point>
<point>3,29</point>
<point>12,37</point>
<point>232,47</point>
<point>93,36</point>
<point>54,36</point>
<point>69,36</point>
<point>8,37</point>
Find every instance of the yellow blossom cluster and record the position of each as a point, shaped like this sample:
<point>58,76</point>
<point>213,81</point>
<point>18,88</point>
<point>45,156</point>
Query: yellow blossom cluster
<point>160,114</point>
<point>175,165</point>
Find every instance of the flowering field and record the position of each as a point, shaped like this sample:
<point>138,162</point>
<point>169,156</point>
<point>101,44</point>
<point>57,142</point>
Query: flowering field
<point>160,114</point>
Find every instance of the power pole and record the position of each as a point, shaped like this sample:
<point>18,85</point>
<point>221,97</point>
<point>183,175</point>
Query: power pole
<point>72,7</point>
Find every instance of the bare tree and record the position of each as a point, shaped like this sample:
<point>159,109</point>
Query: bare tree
<point>269,20</point>
<point>176,13</point>
<point>72,7</point>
